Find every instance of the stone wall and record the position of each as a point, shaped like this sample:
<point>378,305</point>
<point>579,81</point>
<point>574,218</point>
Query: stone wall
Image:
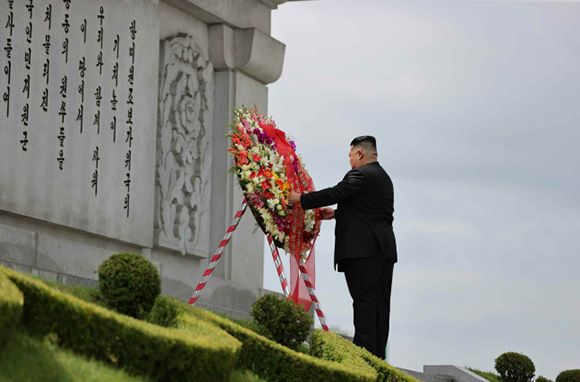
<point>113,118</point>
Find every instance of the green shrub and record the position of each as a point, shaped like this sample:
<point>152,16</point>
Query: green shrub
<point>129,284</point>
<point>273,362</point>
<point>515,367</point>
<point>288,324</point>
<point>541,378</point>
<point>11,305</point>
<point>141,348</point>
<point>331,346</point>
<point>569,376</point>
<point>164,312</point>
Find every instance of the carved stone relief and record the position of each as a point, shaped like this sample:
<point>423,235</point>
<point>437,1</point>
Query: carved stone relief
<point>183,187</point>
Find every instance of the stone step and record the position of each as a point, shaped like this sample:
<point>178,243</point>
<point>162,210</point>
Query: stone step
<point>444,373</point>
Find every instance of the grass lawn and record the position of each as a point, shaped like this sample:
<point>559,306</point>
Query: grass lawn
<point>26,358</point>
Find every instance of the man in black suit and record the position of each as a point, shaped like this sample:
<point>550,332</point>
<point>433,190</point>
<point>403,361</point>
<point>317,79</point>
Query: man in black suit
<point>365,248</point>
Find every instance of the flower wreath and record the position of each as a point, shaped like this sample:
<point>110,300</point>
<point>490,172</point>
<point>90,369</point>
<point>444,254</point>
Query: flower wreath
<point>268,167</point>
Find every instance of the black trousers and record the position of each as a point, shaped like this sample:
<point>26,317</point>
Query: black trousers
<point>369,282</point>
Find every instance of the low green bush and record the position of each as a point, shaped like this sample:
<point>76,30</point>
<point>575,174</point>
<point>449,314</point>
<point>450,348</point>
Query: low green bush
<point>129,284</point>
<point>569,376</point>
<point>274,362</point>
<point>141,348</point>
<point>164,312</point>
<point>541,378</point>
<point>515,367</point>
<point>11,305</point>
<point>288,324</point>
<point>331,346</point>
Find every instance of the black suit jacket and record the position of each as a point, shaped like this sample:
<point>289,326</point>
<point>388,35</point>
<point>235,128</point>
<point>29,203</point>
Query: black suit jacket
<point>364,216</point>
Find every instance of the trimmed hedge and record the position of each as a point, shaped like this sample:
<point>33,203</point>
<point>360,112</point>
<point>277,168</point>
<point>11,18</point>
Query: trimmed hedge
<point>139,347</point>
<point>331,346</point>
<point>387,373</point>
<point>274,362</point>
<point>569,376</point>
<point>11,305</point>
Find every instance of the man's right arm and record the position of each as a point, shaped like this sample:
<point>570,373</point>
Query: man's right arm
<point>327,213</point>
<point>351,185</point>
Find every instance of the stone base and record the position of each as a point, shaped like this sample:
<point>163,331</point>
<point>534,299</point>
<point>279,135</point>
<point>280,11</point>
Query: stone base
<point>220,296</point>
<point>73,257</point>
<point>444,373</point>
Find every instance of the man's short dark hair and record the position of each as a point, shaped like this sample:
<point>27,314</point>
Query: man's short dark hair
<point>366,142</point>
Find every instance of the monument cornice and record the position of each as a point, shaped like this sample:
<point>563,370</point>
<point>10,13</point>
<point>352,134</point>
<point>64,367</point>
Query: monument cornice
<point>234,13</point>
<point>273,4</point>
<point>248,50</point>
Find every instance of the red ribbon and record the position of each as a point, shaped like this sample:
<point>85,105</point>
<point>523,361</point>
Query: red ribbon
<point>300,182</point>
<point>284,149</point>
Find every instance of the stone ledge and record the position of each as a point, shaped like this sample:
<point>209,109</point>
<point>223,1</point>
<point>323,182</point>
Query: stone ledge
<point>457,373</point>
<point>234,13</point>
<point>248,50</point>
<point>444,373</point>
<point>426,377</point>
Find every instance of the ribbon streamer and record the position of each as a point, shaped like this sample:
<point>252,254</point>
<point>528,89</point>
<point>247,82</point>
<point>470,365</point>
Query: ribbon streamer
<point>216,258</point>
<point>279,266</point>
<point>313,297</point>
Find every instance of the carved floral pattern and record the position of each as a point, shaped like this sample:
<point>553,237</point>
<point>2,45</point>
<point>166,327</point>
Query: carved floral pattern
<point>184,148</point>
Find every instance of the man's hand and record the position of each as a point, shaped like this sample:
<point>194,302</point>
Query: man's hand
<point>294,198</point>
<point>327,213</point>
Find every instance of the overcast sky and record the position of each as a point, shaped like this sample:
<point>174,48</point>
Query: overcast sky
<point>476,109</point>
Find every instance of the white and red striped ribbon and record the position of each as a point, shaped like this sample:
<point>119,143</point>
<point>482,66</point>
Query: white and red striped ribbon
<point>279,266</point>
<point>216,258</point>
<point>313,297</point>
<point>277,262</point>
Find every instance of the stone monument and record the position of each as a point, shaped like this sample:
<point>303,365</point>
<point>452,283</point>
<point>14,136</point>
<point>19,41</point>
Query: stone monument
<point>113,116</point>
